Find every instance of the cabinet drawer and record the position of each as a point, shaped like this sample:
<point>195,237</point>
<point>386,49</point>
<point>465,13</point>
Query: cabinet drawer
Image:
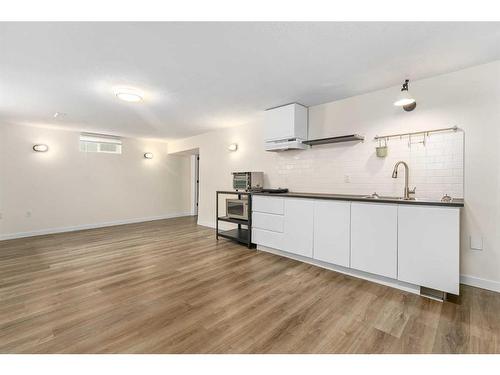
<point>268,238</point>
<point>269,205</point>
<point>265,221</point>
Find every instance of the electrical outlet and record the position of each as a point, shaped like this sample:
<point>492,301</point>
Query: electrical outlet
<point>28,213</point>
<point>347,179</point>
<point>476,242</point>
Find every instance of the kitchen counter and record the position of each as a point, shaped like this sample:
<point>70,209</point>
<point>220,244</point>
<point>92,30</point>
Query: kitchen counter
<point>363,198</point>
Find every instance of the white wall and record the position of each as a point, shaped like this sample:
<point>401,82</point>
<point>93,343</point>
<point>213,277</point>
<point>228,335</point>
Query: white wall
<point>65,188</point>
<point>468,98</point>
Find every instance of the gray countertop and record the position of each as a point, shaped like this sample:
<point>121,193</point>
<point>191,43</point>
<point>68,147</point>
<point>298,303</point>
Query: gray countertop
<point>363,198</point>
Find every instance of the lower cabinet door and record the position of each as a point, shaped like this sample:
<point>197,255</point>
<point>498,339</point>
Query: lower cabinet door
<point>332,231</point>
<point>298,226</point>
<point>429,247</point>
<point>374,230</point>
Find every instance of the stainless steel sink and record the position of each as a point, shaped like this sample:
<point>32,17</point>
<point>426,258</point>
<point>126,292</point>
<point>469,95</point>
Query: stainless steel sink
<point>375,196</point>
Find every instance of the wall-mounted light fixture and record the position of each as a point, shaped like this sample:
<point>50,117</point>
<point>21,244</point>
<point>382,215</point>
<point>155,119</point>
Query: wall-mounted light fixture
<point>40,148</point>
<point>148,155</point>
<point>405,100</point>
<point>232,147</point>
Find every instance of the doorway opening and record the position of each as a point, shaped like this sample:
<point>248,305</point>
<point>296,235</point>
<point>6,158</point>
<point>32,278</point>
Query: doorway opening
<point>195,183</point>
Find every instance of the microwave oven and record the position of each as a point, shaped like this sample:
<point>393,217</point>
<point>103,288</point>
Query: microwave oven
<point>237,208</point>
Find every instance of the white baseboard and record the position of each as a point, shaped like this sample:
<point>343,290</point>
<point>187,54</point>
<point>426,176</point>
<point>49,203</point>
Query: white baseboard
<point>480,283</point>
<point>222,225</point>
<point>41,232</point>
<point>206,224</point>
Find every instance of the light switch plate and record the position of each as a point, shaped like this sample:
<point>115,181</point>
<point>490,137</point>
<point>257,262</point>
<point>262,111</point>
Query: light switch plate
<point>476,242</point>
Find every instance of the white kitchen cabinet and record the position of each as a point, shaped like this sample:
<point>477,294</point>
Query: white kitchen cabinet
<point>298,226</point>
<point>268,205</point>
<point>374,230</point>
<point>428,247</point>
<point>268,221</point>
<point>409,243</point>
<point>274,223</point>
<point>286,122</point>
<point>284,224</point>
<point>332,231</point>
<point>267,238</point>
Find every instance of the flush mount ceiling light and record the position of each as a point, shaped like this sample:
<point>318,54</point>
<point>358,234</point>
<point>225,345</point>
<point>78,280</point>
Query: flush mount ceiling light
<point>232,147</point>
<point>40,148</point>
<point>128,94</point>
<point>148,155</point>
<point>405,100</point>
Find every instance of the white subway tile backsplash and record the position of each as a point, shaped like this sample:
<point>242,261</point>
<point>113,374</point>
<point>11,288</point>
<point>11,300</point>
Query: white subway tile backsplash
<point>435,169</point>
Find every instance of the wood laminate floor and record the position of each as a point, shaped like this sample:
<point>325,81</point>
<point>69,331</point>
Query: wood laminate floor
<point>169,287</point>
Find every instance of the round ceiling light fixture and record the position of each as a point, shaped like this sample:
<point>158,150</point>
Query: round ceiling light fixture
<point>128,94</point>
<point>405,100</point>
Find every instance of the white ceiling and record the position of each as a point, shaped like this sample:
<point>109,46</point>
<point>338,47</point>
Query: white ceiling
<point>202,76</point>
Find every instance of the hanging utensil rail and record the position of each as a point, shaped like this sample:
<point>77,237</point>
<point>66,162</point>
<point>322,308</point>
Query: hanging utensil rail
<point>426,132</point>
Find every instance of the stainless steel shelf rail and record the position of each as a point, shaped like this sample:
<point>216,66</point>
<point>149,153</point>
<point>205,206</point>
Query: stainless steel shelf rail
<point>425,132</point>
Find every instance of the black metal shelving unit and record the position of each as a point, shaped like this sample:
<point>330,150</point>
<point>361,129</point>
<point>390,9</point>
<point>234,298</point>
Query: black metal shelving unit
<point>239,234</point>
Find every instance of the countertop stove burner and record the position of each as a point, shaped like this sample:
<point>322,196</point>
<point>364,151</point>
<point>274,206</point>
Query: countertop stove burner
<point>270,191</point>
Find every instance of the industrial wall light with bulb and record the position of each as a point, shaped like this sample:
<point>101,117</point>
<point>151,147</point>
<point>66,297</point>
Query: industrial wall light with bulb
<point>405,100</point>
<point>232,147</point>
<point>40,147</point>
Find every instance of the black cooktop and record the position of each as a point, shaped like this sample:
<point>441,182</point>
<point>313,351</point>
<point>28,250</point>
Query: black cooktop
<point>271,191</point>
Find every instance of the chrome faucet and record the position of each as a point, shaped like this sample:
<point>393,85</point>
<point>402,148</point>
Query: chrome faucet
<point>407,190</point>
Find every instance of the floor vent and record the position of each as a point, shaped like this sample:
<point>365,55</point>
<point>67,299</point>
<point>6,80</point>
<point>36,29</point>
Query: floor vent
<point>434,294</point>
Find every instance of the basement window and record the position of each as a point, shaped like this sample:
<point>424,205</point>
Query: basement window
<point>100,143</point>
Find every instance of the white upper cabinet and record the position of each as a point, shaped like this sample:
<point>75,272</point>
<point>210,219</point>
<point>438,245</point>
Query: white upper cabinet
<point>332,231</point>
<point>286,122</point>
<point>374,231</point>
<point>428,247</point>
<point>298,226</point>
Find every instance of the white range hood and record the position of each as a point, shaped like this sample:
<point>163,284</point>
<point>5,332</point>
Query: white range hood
<point>285,127</point>
<point>285,145</point>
